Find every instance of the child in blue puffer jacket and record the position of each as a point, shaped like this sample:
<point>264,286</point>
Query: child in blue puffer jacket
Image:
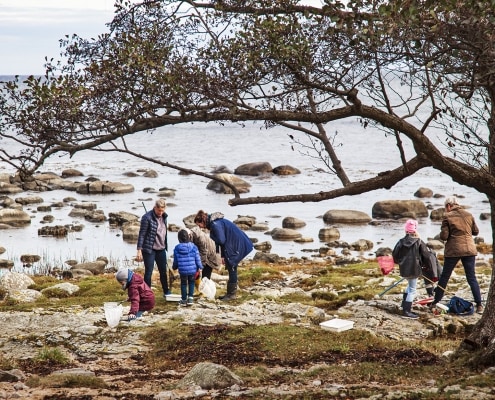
<point>188,262</point>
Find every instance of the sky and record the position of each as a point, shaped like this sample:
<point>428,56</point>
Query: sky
<point>31,30</point>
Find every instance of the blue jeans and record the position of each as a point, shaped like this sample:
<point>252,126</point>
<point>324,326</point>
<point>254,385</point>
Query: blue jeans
<point>411,289</point>
<point>187,285</point>
<point>449,263</point>
<point>149,259</point>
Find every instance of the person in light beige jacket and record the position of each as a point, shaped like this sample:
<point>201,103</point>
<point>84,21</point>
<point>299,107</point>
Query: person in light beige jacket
<point>207,251</point>
<point>457,230</point>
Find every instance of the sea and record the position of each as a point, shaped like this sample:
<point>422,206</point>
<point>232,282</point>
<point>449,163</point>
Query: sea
<point>204,147</point>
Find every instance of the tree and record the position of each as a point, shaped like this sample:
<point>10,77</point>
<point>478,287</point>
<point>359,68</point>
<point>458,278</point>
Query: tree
<point>414,70</point>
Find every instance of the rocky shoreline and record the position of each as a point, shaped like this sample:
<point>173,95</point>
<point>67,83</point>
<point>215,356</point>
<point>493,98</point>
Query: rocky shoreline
<point>113,354</point>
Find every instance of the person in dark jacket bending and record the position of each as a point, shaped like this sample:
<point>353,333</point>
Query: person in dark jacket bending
<point>139,293</point>
<point>152,244</point>
<point>409,253</point>
<point>233,243</point>
<point>188,262</point>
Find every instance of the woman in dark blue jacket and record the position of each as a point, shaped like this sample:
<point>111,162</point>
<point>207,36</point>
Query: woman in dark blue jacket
<point>152,244</point>
<point>234,245</point>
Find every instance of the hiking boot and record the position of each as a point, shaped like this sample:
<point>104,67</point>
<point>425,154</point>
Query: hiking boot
<point>182,303</point>
<point>406,311</point>
<point>410,315</point>
<point>479,309</point>
<point>190,301</point>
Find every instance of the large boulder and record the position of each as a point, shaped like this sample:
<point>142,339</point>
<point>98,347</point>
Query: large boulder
<point>254,169</point>
<point>104,187</point>
<point>346,217</point>
<point>14,217</point>
<point>15,281</point>
<point>8,188</point>
<point>396,209</point>
<point>209,376</point>
<point>241,185</point>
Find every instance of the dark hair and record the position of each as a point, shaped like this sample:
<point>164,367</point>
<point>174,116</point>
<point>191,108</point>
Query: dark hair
<point>183,236</point>
<point>201,216</point>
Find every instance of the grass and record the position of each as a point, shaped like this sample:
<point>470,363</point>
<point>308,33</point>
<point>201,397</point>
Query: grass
<point>271,354</point>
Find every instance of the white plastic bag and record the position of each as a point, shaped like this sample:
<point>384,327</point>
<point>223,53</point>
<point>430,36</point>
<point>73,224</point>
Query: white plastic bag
<point>208,288</point>
<point>113,313</point>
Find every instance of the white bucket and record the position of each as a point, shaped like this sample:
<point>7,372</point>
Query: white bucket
<point>113,313</point>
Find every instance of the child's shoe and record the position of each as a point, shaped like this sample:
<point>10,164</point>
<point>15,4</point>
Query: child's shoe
<point>182,303</point>
<point>190,301</point>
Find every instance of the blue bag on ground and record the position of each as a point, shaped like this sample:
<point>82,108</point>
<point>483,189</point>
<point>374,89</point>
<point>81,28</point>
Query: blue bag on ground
<point>460,306</point>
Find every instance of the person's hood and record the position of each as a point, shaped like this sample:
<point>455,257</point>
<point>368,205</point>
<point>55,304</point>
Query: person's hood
<point>216,215</point>
<point>184,249</point>
<point>409,241</point>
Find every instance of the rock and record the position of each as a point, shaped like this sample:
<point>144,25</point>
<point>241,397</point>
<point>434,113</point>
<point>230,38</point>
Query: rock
<point>293,223</point>
<point>241,185</point>
<point>437,214</point>
<point>269,258</point>
<point>263,246</point>
<point>150,174</point>
<point>166,192</point>
<point>96,267</point>
<point>56,231</point>
<point>24,295</point>
<point>346,217</point>
<point>67,287</point>
<point>71,172</point>
<point>8,377</point>
<point>15,281</point>
<point>6,264</point>
<point>130,231</point>
<point>7,188</point>
<point>14,218</point>
<point>254,169</point>
<point>261,227</point>
<point>423,192</point>
<point>104,187</point>
<point>286,170</point>
<point>399,209</point>
<point>209,376</point>
<point>328,233</point>
<point>362,245</point>
<point>121,218</point>
<point>29,200</point>
<point>285,234</point>
<point>28,259</point>
<point>435,244</point>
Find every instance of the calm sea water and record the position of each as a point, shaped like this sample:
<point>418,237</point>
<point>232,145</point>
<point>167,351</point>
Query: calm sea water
<point>206,146</point>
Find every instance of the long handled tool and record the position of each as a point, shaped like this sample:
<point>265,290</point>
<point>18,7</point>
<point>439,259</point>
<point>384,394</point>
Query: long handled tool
<point>391,287</point>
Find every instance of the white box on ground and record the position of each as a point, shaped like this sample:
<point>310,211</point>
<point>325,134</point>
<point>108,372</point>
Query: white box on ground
<point>337,325</point>
<point>173,297</point>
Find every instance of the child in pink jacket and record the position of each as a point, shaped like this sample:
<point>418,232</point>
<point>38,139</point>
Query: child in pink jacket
<point>140,294</point>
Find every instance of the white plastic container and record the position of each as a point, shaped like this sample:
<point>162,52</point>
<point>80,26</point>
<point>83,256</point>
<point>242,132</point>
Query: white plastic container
<point>113,313</point>
<point>443,308</point>
<point>173,297</point>
<point>337,325</point>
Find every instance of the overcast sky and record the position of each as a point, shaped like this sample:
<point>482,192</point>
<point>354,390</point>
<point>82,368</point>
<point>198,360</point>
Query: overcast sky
<point>31,29</point>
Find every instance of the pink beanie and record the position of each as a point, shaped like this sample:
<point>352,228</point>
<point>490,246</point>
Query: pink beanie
<point>411,226</point>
